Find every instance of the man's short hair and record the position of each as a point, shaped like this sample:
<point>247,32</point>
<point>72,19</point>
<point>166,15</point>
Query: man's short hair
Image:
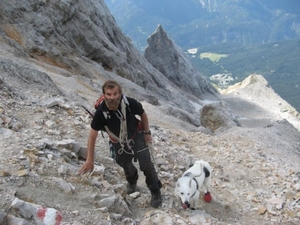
<point>110,84</point>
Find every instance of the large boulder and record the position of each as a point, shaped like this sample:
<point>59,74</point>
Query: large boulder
<point>218,117</point>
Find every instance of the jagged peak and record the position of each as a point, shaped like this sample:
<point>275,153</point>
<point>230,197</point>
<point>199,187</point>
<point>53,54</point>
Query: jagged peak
<point>159,28</point>
<point>172,62</point>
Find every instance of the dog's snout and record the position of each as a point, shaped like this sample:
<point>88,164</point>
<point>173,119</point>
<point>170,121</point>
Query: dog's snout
<point>187,204</point>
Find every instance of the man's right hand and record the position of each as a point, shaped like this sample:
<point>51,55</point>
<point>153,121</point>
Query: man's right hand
<point>86,167</point>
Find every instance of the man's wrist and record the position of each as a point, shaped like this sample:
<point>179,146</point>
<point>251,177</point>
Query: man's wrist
<point>147,132</point>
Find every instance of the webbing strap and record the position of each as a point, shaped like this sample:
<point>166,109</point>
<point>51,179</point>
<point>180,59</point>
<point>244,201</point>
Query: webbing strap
<point>123,124</point>
<point>194,178</point>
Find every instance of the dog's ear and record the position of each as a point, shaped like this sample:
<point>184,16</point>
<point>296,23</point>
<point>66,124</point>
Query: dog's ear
<point>190,183</point>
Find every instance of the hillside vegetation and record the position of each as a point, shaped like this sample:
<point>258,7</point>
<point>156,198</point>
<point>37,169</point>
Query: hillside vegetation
<point>278,62</point>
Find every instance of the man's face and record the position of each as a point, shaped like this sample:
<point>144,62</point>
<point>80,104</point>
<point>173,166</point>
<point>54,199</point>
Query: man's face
<point>112,98</point>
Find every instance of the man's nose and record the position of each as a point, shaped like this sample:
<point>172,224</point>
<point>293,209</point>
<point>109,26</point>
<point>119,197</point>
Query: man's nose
<point>114,97</point>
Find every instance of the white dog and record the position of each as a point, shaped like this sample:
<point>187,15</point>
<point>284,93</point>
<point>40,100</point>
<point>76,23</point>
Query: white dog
<point>188,186</point>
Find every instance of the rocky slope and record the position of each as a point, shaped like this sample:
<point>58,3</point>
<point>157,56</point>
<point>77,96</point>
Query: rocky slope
<point>81,38</point>
<point>251,136</point>
<point>255,168</point>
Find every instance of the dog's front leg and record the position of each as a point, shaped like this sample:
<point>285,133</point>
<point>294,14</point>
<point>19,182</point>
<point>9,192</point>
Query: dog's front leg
<point>195,201</point>
<point>194,206</point>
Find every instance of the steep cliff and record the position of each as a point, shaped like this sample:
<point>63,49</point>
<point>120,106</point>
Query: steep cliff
<point>72,35</point>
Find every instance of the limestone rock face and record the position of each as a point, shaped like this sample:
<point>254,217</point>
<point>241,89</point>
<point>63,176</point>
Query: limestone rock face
<point>72,34</point>
<point>171,61</point>
<point>80,40</point>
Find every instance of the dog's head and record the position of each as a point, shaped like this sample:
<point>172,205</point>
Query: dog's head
<point>185,189</point>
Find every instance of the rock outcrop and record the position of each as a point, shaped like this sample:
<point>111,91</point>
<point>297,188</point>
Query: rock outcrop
<point>171,61</point>
<point>74,35</point>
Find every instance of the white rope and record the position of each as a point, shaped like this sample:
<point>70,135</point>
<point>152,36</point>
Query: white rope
<point>123,125</point>
<point>121,150</point>
<point>123,137</point>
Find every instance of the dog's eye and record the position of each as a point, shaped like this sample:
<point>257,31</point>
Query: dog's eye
<point>181,193</point>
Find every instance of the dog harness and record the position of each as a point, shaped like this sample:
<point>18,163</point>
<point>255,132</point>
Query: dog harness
<point>207,173</point>
<point>197,185</point>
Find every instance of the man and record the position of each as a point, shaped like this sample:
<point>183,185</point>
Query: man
<point>129,136</point>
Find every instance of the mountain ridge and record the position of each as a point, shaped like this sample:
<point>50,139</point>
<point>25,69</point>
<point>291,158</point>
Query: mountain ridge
<point>208,22</point>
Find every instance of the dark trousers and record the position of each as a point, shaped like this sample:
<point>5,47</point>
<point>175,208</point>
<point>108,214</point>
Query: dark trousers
<point>142,154</point>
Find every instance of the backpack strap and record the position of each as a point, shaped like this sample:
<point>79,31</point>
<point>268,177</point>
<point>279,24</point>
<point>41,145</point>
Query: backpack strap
<point>99,101</point>
<point>126,101</point>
